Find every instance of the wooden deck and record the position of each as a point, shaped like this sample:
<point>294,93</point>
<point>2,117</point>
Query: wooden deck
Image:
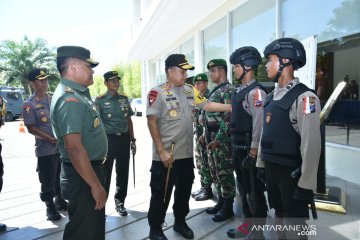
<point>24,214</point>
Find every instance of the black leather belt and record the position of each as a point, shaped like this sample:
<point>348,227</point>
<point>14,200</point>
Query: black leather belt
<point>95,162</point>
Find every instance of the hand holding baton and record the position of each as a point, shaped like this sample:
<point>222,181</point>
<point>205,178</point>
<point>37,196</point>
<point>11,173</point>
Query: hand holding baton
<point>168,170</point>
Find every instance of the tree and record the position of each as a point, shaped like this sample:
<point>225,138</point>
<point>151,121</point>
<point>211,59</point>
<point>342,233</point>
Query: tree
<point>130,84</point>
<point>17,59</point>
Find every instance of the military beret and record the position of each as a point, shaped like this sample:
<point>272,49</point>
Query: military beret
<point>200,77</point>
<point>216,63</point>
<point>76,52</point>
<point>37,74</point>
<point>111,75</point>
<point>178,60</point>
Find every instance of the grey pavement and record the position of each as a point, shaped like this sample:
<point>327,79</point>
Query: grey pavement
<point>21,208</point>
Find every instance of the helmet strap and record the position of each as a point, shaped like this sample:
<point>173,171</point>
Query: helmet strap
<point>281,68</point>
<point>244,72</point>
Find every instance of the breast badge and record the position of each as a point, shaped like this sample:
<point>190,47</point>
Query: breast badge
<point>268,118</point>
<point>96,122</point>
<point>109,115</point>
<point>44,119</point>
<point>173,113</point>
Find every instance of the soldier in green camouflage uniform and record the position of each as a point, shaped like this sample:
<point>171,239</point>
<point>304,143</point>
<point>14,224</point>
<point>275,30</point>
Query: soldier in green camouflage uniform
<point>219,143</point>
<point>205,192</point>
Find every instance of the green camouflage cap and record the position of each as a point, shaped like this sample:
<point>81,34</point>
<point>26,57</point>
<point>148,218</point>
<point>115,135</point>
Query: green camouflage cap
<point>200,77</point>
<point>216,63</point>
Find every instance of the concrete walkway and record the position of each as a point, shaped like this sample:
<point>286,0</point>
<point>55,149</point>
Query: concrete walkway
<point>24,214</point>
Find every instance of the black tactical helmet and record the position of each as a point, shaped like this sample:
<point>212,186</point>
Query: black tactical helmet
<point>248,56</point>
<point>289,48</point>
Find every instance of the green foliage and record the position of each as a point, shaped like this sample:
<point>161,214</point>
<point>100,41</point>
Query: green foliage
<point>130,83</point>
<point>17,59</point>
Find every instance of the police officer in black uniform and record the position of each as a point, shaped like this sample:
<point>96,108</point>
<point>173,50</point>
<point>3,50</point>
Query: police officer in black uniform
<point>290,139</point>
<point>246,124</point>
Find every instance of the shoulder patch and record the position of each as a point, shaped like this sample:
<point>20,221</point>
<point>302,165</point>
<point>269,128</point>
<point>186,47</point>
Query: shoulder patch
<point>27,108</point>
<point>71,99</point>
<point>309,105</point>
<point>152,97</point>
<point>257,98</point>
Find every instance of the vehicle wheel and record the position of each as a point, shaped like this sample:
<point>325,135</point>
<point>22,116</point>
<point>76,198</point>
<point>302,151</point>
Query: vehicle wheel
<point>8,117</point>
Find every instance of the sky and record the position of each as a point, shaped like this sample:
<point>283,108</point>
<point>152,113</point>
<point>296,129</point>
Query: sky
<point>100,26</point>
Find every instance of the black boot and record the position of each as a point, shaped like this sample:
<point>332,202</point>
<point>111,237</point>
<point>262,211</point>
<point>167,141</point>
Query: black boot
<point>204,195</point>
<point>225,212</point>
<point>60,203</point>
<point>51,212</point>
<point>184,230</point>
<point>217,207</point>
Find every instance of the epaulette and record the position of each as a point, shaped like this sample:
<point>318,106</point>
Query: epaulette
<point>101,96</point>
<point>68,89</point>
<point>123,95</point>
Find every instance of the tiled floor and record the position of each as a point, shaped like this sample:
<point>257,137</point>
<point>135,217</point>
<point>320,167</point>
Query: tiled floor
<point>20,206</point>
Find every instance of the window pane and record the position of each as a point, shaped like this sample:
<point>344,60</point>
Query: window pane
<point>327,19</point>
<point>254,25</point>
<point>215,41</point>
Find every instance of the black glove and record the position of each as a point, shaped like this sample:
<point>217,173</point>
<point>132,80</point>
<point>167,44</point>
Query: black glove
<point>261,174</point>
<point>303,194</point>
<point>249,162</point>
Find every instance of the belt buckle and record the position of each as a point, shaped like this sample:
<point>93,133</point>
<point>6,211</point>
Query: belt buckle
<point>118,134</point>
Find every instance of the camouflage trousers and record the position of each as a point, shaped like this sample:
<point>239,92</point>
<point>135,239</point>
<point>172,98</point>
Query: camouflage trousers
<point>221,166</point>
<point>202,164</point>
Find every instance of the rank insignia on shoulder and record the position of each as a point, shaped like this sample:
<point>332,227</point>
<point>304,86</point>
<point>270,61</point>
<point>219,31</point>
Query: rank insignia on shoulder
<point>268,118</point>
<point>309,105</point>
<point>68,89</point>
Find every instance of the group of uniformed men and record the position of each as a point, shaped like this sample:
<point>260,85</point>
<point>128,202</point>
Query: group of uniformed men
<point>271,142</point>
<point>77,142</point>
<point>263,138</point>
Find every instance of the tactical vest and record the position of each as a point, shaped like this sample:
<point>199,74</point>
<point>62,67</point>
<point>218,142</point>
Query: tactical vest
<point>280,143</point>
<point>241,122</point>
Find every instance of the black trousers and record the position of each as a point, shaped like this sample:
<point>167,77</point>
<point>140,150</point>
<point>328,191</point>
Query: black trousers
<point>119,150</point>
<point>84,221</point>
<point>280,187</point>
<point>182,177</point>
<point>48,169</point>
<point>257,207</point>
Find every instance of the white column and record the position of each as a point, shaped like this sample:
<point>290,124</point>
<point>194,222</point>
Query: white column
<point>198,51</point>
